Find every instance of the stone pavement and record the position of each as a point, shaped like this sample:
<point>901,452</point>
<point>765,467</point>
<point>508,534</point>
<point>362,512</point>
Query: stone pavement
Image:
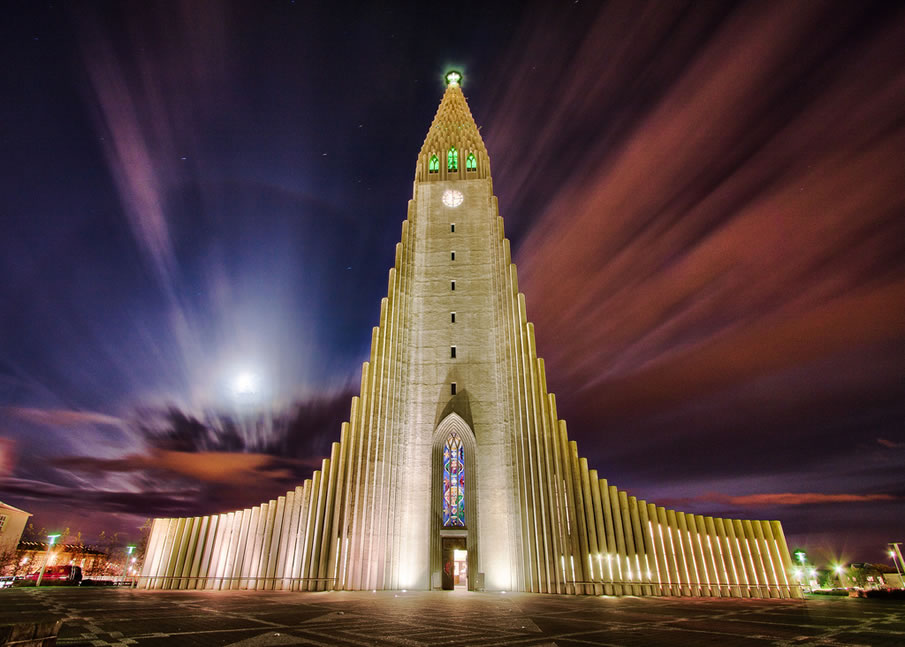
<point>102,617</point>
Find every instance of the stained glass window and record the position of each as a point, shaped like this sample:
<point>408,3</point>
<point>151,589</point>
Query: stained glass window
<point>471,163</point>
<point>433,166</point>
<point>452,159</point>
<point>453,481</point>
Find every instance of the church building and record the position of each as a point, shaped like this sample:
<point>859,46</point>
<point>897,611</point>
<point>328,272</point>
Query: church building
<point>454,468</point>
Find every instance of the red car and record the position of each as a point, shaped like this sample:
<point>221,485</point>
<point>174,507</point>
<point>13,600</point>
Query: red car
<point>66,574</point>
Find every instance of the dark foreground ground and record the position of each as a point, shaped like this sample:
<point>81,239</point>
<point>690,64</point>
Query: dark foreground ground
<point>102,617</point>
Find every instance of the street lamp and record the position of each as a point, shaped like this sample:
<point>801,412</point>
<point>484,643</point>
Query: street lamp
<point>53,540</point>
<point>892,554</point>
<point>129,550</point>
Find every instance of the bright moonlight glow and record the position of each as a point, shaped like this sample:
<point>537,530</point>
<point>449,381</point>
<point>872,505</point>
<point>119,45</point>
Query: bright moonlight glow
<point>245,384</point>
<point>452,198</point>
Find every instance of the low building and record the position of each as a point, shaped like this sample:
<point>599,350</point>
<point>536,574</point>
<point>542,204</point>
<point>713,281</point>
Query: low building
<point>33,554</point>
<point>12,523</point>
<point>872,576</point>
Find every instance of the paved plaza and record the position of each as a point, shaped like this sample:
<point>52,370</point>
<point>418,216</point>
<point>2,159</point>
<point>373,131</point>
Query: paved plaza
<point>103,617</point>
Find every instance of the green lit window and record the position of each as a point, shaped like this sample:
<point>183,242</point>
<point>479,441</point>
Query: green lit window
<point>471,163</point>
<point>452,159</point>
<point>433,166</point>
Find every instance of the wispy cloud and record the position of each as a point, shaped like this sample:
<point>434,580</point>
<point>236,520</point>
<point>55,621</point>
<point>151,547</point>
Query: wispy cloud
<point>62,417</point>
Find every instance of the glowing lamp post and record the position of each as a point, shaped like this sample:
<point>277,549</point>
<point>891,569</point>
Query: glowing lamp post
<point>839,569</point>
<point>892,554</point>
<point>53,540</point>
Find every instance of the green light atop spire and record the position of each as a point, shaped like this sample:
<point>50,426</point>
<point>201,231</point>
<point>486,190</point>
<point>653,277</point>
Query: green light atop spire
<point>453,78</point>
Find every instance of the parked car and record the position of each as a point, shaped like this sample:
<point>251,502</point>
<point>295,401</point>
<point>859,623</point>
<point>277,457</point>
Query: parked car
<point>6,581</point>
<point>54,575</point>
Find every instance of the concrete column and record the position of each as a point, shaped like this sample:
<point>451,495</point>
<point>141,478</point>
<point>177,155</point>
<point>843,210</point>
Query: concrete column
<point>550,474</point>
<point>672,562</point>
<point>700,562</point>
<point>631,564</point>
<point>378,430</point>
<point>312,532</point>
<point>276,539</point>
<point>204,568</point>
<point>573,571</point>
<point>745,580</point>
<point>151,564</point>
<point>754,578</point>
<point>675,532</point>
<point>612,551</point>
<point>224,539</point>
<point>267,521</point>
<point>764,552</point>
<point>786,559</point>
<point>649,562</point>
<point>663,578</point>
<point>364,499</point>
<point>336,534</point>
<point>354,571</point>
<point>558,492</point>
<point>593,549</point>
<point>779,570</point>
<point>581,571</point>
<point>326,541</point>
<point>298,560</point>
<point>534,540</point>
<point>688,551</point>
<point>599,524</point>
<point>757,564</point>
<point>732,575</point>
<point>526,502</point>
<point>175,544</point>
<point>619,559</point>
<point>192,553</point>
<point>349,494</point>
<point>288,559</point>
<point>545,551</point>
<point>721,580</point>
<point>257,541</point>
<point>246,543</point>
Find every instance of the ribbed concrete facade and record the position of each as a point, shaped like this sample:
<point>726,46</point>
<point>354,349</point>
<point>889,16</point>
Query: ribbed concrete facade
<point>454,353</point>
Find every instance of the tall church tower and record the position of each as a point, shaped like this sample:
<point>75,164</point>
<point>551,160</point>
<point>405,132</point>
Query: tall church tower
<point>454,469</point>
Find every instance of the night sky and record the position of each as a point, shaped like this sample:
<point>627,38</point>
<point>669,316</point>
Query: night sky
<point>706,203</point>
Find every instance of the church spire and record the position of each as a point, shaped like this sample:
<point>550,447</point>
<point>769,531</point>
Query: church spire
<point>453,148</point>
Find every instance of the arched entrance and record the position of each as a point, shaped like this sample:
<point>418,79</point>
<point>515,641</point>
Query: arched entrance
<point>454,514</point>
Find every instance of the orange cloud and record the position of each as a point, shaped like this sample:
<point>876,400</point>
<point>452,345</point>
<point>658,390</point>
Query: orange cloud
<point>209,467</point>
<point>800,498</point>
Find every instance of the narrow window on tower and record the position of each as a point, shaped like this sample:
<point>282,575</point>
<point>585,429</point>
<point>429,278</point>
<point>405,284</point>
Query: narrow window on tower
<point>452,317</point>
<point>433,166</point>
<point>452,285</point>
<point>452,256</point>
<point>452,352</point>
<point>453,481</point>
<point>452,227</point>
<point>452,159</point>
<point>471,163</point>
<point>452,388</point>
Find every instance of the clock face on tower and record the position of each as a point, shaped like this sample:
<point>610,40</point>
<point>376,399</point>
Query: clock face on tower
<point>452,198</point>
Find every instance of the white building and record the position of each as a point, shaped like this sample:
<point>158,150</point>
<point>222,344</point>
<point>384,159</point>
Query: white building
<point>454,466</point>
<point>12,523</point>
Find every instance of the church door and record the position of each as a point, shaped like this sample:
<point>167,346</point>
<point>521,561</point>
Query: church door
<point>453,572</point>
